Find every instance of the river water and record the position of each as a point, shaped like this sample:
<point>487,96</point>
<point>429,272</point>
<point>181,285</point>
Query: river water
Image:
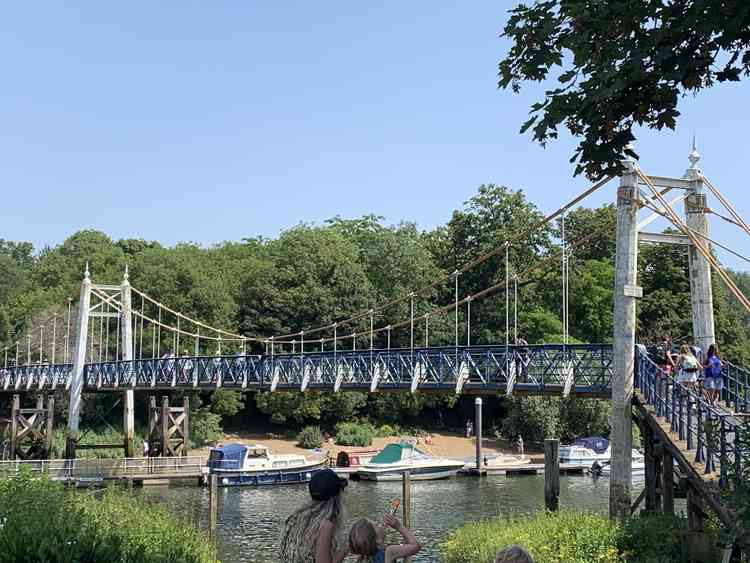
<point>250,518</point>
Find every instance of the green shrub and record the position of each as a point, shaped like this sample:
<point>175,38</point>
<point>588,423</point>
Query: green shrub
<point>205,427</point>
<point>310,438</point>
<point>387,430</point>
<point>653,538</point>
<point>354,433</point>
<point>567,536</point>
<point>571,536</point>
<point>42,521</point>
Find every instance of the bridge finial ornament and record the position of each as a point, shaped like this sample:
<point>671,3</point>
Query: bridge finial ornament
<point>694,156</point>
<point>86,273</point>
<point>126,275</point>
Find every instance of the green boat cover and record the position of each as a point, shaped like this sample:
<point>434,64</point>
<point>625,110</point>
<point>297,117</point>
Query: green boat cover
<point>394,453</point>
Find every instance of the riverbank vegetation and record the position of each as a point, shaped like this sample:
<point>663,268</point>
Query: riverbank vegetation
<point>570,536</point>
<point>42,521</point>
<point>318,274</point>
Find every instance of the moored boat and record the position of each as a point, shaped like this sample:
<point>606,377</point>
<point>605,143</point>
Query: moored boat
<point>239,464</point>
<point>394,459</point>
<point>585,451</point>
<point>638,466</point>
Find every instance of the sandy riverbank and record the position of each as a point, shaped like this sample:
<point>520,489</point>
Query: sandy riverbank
<point>444,444</point>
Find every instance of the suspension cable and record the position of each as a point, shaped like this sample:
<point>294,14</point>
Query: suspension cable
<point>698,244</point>
<point>701,235</point>
<point>517,237</point>
<point>727,205</point>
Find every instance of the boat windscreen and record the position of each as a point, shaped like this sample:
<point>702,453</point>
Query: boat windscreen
<point>393,453</point>
<point>599,445</point>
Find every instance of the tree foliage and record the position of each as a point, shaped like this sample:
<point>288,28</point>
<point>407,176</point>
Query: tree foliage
<point>610,66</point>
<point>313,275</point>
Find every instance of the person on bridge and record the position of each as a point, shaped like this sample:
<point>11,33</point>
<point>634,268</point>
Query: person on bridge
<point>689,367</point>
<point>309,534</point>
<point>664,357</point>
<point>713,381</point>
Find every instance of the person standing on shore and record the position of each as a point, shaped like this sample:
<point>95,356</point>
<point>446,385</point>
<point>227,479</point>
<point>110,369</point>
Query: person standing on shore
<point>309,534</point>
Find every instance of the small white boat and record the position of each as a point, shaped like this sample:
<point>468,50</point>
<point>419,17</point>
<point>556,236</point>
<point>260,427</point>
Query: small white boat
<point>585,451</point>
<point>394,459</point>
<point>238,464</point>
<point>638,466</point>
<point>504,460</point>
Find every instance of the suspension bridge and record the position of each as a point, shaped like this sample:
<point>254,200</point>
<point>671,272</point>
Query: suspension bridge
<point>122,340</point>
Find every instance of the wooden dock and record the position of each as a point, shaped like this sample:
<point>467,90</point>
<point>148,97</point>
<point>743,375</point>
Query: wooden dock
<point>523,469</point>
<point>93,472</point>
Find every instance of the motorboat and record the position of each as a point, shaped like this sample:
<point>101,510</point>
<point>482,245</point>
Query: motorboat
<point>596,452</point>
<point>604,468</point>
<point>506,461</point>
<point>585,451</point>
<point>391,462</point>
<point>240,464</point>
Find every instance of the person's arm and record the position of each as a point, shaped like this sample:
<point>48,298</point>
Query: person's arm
<point>323,545</point>
<point>411,547</point>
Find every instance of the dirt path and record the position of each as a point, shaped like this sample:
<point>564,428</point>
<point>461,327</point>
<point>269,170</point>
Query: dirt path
<point>444,444</point>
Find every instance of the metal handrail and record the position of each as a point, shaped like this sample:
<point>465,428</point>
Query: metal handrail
<point>710,432</point>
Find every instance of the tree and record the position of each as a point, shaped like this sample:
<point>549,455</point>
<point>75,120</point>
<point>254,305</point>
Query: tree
<point>619,64</point>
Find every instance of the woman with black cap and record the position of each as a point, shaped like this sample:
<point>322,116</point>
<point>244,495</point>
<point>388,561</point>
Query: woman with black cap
<point>309,534</point>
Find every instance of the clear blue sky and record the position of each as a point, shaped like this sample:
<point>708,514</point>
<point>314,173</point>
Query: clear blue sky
<point>197,121</point>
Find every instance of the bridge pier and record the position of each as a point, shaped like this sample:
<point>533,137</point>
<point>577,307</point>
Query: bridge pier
<point>168,428</point>
<point>79,361</point>
<point>701,292</point>
<point>625,292</point>
<point>126,333</point>
<point>31,429</point>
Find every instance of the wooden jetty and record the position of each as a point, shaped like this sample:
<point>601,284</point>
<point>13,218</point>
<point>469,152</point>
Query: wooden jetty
<point>523,469</point>
<point>93,472</point>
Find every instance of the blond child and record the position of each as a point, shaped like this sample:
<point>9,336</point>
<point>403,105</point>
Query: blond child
<point>366,539</point>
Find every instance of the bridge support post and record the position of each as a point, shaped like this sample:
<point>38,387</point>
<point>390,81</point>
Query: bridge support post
<point>701,292</point>
<point>31,429</point>
<point>168,428</point>
<point>79,360</point>
<point>667,480</point>
<point>625,293</point>
<point>126,332</point>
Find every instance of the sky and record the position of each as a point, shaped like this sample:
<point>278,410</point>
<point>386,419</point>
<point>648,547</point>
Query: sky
<point>213,121</point>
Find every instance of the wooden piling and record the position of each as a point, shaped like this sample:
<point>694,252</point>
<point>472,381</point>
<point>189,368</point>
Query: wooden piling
<point>213,506</point>
<point>667,480</point>
<point>552,474</point>
<point>648,441</point>
<point>406,502</point>
<point>478,433</point>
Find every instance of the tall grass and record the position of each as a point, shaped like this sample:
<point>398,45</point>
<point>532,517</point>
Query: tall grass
<point>42,521</point>
<point>570,536</point>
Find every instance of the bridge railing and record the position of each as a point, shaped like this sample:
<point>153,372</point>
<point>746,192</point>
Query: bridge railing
<point>106,468</point>
<point>736,391</point>
<point>714,435</point>
<point>35,377</point>
<point>551,367</point>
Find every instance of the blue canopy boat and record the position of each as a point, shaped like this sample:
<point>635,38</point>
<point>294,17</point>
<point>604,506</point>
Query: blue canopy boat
<point>239,464</point>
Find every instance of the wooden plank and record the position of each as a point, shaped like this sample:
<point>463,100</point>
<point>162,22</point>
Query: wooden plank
<point>638,500</point>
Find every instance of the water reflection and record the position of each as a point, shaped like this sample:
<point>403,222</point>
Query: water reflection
<point>250,518</point>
